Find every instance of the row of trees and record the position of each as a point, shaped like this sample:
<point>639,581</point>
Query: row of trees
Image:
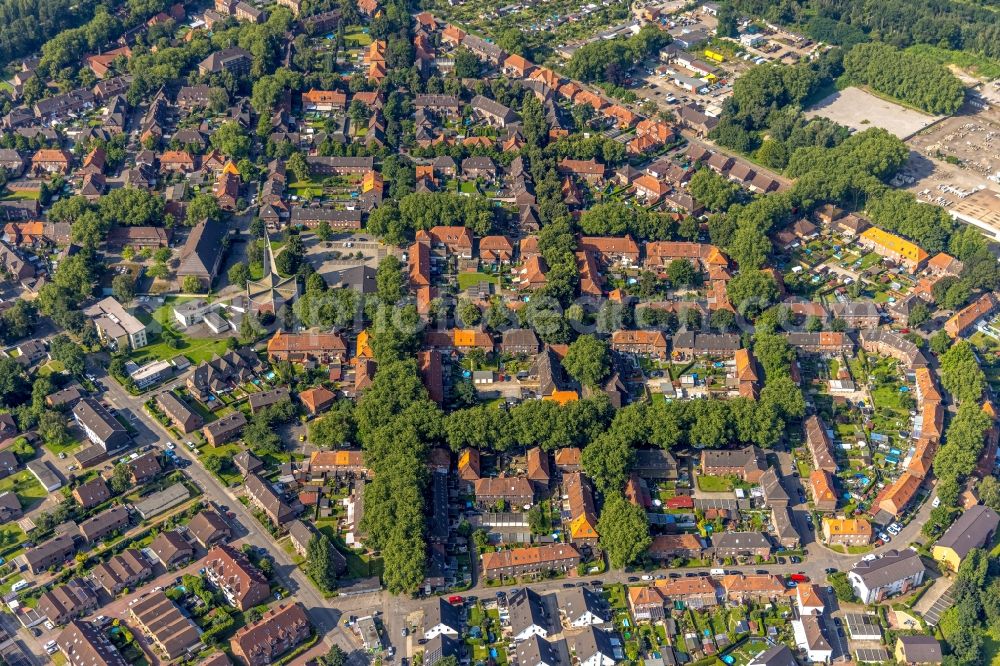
<point>906,76</point>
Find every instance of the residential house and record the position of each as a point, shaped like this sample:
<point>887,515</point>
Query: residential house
<point>116,327</point>
<point>209,529</point>
<point>965,319</point>
<point>824,496</point>
<point>896,249</point>
<point>593,647</point>
<point>99,425</point>
<point>652,344</point>
<point>49,553</point>
<point>891,574</point>
<point>264,497</point>
<point>317,400</point>
<point>105,523</point>
<point>582,509</point>
<point>741,544</point>
<point>820,446</point>
<point>528,615</point>
<point>975,528</point>
<point>243,585</point>
<point>180,414</point>
<point>171,549</point>
<point>918,650</point>
<point>67,602</point>
<point>808,633</point>
<point>513,491</point>
<point>747,463</point>
<point>442,618</point>
<point>310,346</point>
<point>172,632</point>
<point>279,630</point>
<point>123,571</point>
<point>530,560</point>
<point>91,493</point>
<point>225,429</point>
<point>84,644</point>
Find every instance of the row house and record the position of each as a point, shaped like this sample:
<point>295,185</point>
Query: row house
<point>267,499</point>
<point>647,343</point>
<point>338,463</point>
<point>514,491</point>
<point>847,531</point>
<point>590,170</point>
<point>760,588</point>
<point>492,112</point>
<point>966,319</point>
<point>324,100</point>
<point>611,249</point>
<point>582,509</point>
<point>278,631</point>
<point>689,344</point>
<point>532,560</point>
<point>243,585</point>
<point>747,463</point>
<point>820,445</point>
<point>824,342</point>
<point>312,346</point>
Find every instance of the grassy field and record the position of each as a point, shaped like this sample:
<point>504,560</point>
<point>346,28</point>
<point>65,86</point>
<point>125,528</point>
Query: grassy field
<point>195,349</point>
<point>357,37</point>
<point>714,484</point>
<point>68,449</point>
<point>466,280</point>
<point>27,488</point>
<point>977,65</point>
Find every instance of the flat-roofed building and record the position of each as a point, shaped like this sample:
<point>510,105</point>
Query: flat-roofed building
<point>116,327</point>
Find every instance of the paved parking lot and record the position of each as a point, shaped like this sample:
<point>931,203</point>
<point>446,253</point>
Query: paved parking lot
<point>860,110</point>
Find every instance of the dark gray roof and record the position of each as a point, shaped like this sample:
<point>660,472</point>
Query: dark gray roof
<point>526,609</point>
<point>536,651</point>
<point>443,613</point>
<point>779,655</point>
<point>203,249</point>
<point>99,420</point>
<point>971,530</point>
<point>889,568</point>
<point>747,540</point>
<point>578,600</point>
<point>591,642</point>
<point>921,649</point>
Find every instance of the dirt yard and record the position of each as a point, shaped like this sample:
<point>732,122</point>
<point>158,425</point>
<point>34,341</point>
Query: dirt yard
<point>860,110</point>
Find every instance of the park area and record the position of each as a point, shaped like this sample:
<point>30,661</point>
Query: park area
<point>168,341</point>
<point>860,109</point>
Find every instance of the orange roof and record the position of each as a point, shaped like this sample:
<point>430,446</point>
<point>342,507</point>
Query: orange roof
<point>809,596</point>
<point>471,337</point>
<point>926,388</point>
<point>609,244</point>
<point>313,397</point>
<point>562,397</point>
<point>568,456</point>
<point>897,497</point>
<point>648,183</point>
<point>754,584</point>
<point>517,62</point>
<point>624,117</point>
<point>678,588</point>
<point>587,97</point>
<point>453,33</point>
<point>941,261</point>
<point>332,97</point>
<point>638,337</point>
<point>51,155</point>
<point>305,342</point>
<point>848,526</point>
<point>922,461</point>
<point>745,367</point>
<point>363,348</point>
<point>176,157</point>
<point>822,487</point>
<point>546,76</point>
<point>517,557</point>
<point>967,316</point>
<point>339,458</point>
<point>642,595</point>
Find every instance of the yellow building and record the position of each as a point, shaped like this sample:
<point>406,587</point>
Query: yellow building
<point>894,248</point>
<point>714,55</point>
<point>975,528</point>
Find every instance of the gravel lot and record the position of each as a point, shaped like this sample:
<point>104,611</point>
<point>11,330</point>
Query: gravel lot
<point>860,110</point>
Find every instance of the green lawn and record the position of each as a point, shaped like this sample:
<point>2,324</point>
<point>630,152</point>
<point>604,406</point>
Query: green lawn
<point>27,488</point>
<point>23,195</point>
<point>991,647</point>
<point>466,280</point>
<point>68,448</point>
<point>357,38</point>
<point>714,484</point>
<point>195,349</point>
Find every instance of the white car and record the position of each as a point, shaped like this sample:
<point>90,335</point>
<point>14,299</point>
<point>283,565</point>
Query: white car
<point>49,625</point>
<point>936,503</point>
<point>647,577</point>
<point>895,529</point>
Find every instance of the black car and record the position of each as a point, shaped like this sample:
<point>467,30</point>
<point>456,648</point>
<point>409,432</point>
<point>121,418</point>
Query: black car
<point>691,574</point>
<point>781,560</point>
<point>597,583</point>
<point>568,585</point>
<point>633,579</point>
<point>761,572</point>
<point>675,575</point>
<point>795,559</point>
<point>830,570</point>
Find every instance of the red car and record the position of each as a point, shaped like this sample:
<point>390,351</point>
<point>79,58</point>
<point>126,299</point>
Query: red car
<point>455,599</point>
<point>800,578</point>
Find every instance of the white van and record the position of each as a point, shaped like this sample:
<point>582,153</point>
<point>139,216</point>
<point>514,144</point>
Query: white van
<point>717,572</point>
<point>19,585</point>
